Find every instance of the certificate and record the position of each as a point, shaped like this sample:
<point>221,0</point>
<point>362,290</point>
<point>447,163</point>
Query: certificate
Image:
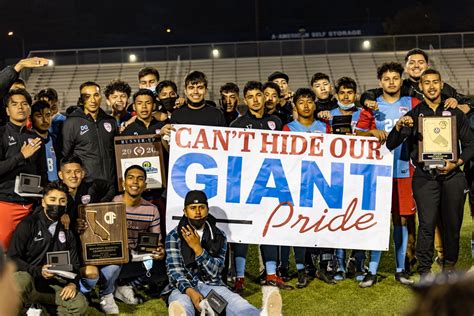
<point>438,141</point>
<point>142,150</point>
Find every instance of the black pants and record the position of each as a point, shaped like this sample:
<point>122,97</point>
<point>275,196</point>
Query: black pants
<point>135,272</point>
<point>440,200</point>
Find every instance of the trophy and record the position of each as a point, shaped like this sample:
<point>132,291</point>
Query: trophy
<point>438,142</point>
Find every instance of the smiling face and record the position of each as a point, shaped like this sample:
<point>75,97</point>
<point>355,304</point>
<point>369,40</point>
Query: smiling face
<point>118,101</point>
<point>431,86</point>
<point>71,174</point>
<point>415,66</point>
<point>196,91</point>
<point>134,182</point>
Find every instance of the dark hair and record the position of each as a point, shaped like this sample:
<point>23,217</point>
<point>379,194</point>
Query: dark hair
<point>13,92</point>
<point>117,85</point>
<point>20,81</point>
<point>345,82</point>
<point>431,71</point>
<point>137,167</point>
<point>88,84</point>
<point>272,85</point>
<point>252,85</point>
<point>392,66</point>
<point>55,185</point>
<point>39,106</point>
<point>166,83</point>
<point>71,159</point>
<point>148,71</point>
<point>195,77</point>
<point>416,51</point>
<point>229,87</point>
<point>318,76</point>
<point>304,92</point>
<point>47,93</point>
<point>144,92</point>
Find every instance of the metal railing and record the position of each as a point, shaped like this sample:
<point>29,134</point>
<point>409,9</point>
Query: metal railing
<point>304,46</point>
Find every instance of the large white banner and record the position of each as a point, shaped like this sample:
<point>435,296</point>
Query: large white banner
<point>285,188</point>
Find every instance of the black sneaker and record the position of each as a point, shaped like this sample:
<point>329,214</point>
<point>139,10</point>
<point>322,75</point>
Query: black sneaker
<point>403,278</point>
<point>325,277</point>
<point>368,281</point>
<point>302,279</point>
<point>284,274</point>
<point>262,278</point>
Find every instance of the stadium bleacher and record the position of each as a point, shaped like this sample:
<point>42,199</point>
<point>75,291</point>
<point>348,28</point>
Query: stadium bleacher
<point>456,66</point>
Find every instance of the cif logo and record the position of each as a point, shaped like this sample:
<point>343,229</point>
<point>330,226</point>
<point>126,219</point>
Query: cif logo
<point>110,217</point>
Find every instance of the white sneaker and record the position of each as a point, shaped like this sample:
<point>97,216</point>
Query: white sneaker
<point>272,302</point>
<point>108,305</point>
<point>33,311</point>
<point>126,294</point>
<point>176,309</point>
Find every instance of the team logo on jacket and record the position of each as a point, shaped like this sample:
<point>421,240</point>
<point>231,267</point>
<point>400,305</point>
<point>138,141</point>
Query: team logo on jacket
<point>108,127</point>
<point>62,237</point>
<point>11,141</point>
<point>84,129</point>
<point>403,110</point>
<point>85,199</point>
<point>271,124</point>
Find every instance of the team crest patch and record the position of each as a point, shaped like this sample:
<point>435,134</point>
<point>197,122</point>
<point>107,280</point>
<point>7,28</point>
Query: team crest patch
<point>403,110</point>
<point>271,124</point>
<point>108,127</point>
<point>85,199</point>
<point>62,237</point>
<point>30,141</point>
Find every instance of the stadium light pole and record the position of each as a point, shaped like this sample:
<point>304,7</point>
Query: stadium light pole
<point>13,34</point>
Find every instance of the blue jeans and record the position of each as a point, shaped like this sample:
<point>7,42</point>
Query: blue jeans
<point>108,276</point>
<point>236,304</point>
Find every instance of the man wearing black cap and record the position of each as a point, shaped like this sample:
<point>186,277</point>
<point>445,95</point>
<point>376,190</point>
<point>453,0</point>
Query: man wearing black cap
<point>195,252</point>
<point>285,107</point>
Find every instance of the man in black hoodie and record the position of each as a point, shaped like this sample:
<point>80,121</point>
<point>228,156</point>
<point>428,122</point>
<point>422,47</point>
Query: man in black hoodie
<point>35,236</point>
<point>20,152</point>
<point>89,132</point>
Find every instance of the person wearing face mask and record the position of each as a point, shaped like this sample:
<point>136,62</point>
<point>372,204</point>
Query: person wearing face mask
<point>148,78</point>
<point>195,252</point>
<point>34,237</point>
<point>346,95</point>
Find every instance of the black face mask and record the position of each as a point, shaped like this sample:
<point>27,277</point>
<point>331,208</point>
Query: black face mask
<point>55,212</point>
<point>169,103</point>
<point>195,104</point>
<point>197,223</point>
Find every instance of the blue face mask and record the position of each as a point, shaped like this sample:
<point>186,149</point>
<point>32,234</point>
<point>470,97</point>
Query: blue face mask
<point>345,107</point>
<point>152,89</point>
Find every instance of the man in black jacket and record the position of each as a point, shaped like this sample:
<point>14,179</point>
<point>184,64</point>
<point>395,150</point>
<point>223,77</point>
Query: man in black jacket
<point>89,134</point>
<point>20,152</point>
<point>285,107</point>
<point>11,74</point>
<point>325,101</point>
<point>35,236</point>
<point>439,192</point>
<point>144,104</point>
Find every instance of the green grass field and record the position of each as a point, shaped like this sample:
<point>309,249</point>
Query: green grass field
<point>385,297</point>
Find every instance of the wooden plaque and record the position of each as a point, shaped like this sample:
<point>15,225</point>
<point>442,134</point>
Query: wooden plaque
<point>105,241</point>
<point>145,151</point>
<point>439,140</point>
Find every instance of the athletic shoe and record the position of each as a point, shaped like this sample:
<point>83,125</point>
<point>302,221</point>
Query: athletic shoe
<point>272,302</point>
<point>368,280</point>
<point>325,277</point>
<point>108,305</point>
<point>403,278</point>
<point>439,261</point>
<point>239,285</point>
<point>359,276</point>
<point>262,278</point>
<point>339,276</point>
<point>176,309</point>
<point>410,265</point>
<point>302,279</point>
<point>275,280</point>
<point>126,294</point>
<point>284,274</point>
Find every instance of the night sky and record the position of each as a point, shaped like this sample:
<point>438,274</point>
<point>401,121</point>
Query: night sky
<point>54,24</point>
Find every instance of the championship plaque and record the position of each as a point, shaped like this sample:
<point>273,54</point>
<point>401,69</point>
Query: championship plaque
<point>145,151</point>
<point>438,141</point>
<point>105,241</point>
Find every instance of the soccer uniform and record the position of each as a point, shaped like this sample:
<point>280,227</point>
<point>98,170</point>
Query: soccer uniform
<point>317,126</point>
<point>385,119</point>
